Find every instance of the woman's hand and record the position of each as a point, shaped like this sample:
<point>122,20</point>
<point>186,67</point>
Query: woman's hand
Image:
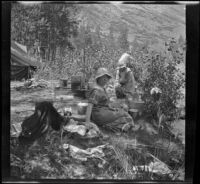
<point>112,108</point>
<point>125,107</point>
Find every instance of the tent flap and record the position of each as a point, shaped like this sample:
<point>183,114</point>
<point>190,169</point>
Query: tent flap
<point>21,62</point>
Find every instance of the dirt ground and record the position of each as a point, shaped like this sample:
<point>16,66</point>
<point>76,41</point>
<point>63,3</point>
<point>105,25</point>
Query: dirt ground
<point>45,162</point>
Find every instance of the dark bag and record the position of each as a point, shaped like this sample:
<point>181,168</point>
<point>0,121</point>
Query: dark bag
<point>36,125</point>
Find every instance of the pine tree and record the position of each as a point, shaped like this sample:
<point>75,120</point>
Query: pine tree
<point>123,39</point>
<point>111,32</point>
<point>51,24</point>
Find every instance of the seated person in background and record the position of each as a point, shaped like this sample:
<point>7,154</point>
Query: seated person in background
<point>99,110</point>
<point>125,81</point>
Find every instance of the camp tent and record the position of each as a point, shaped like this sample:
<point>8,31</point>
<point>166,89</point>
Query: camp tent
<point>21,63</point>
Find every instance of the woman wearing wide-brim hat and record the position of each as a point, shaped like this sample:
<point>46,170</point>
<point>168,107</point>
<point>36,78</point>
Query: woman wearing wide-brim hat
<point>125,81</point>
<point>99,110</point>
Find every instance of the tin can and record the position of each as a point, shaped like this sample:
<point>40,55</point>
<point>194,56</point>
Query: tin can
<point>82,108</point>
<point>67,111</point>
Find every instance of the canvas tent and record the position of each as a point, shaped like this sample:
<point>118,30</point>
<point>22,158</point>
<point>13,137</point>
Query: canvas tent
<point>21,63</point>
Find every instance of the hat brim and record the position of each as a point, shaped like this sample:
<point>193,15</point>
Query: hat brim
<point>122,66</point>
<point>103,75</point>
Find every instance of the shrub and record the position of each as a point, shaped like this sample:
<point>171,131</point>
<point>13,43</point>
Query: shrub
<point>164,74</point>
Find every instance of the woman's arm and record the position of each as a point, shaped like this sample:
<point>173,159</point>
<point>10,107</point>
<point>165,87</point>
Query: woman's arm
<point>88,112</point>
<point>88,115</point>
<point>130,80</point>
<point>117,79</point>
<point>117,76</point>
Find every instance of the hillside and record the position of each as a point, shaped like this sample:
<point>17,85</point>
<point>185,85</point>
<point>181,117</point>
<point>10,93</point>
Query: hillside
<point>146,23</point>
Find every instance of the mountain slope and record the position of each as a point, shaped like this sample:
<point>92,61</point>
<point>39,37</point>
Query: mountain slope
<point>154,23</point>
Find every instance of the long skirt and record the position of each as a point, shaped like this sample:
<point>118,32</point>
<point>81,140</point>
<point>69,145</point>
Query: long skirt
<point>111,119</point>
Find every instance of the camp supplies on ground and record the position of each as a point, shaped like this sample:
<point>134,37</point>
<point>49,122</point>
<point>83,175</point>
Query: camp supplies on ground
<point>38,124</point>
<point>83,155</point>
<point>87,130</point>
<point>33,84</point>
<point>73,128</point>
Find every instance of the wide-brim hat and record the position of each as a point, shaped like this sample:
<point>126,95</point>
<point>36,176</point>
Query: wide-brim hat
<point>121,66</point>
<point>101,72</point>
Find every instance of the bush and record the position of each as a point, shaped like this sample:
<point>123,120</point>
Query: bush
<point>164,74</point>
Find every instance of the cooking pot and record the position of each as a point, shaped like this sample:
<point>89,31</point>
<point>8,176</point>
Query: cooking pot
<point>82,108</point>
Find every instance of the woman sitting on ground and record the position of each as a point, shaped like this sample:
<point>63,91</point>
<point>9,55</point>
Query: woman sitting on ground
<point>99,110</point>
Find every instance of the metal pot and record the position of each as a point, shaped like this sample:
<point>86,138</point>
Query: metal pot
<point>82,108</point>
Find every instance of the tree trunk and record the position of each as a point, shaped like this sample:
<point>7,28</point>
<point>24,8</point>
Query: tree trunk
<point>52,55</point>
<point>83,61</point>
<point>62,49</point>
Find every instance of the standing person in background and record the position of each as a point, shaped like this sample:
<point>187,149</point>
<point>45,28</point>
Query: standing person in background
<point>125,82</point>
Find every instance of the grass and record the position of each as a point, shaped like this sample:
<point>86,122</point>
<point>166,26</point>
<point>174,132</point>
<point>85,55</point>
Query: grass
<point>47,159</point>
